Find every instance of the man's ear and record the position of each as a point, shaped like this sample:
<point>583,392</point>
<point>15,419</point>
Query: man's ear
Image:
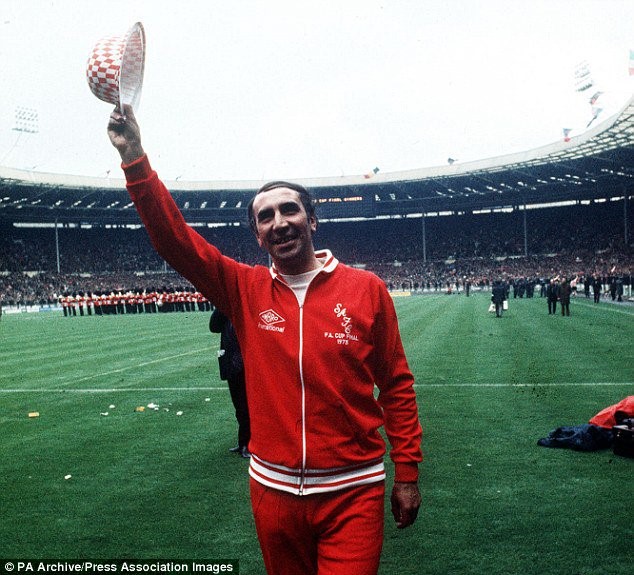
<point>313,223</point>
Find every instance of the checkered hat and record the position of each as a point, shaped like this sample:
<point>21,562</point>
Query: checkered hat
<point>115,68</point>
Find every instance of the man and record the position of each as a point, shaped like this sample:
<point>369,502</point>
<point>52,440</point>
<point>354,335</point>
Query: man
<point>619,288</point>
<point>565,291</point>
<point>498,296</point>
<point>552,295</point>
<point>231,368</point>
<point>596,289</point>
<point>587,281</point>
<point>320,335</point>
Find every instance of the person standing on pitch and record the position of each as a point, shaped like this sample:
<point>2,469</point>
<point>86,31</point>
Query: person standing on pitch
<point>564,296</point>
<point>498,296</point>
<point>597,287</point>
<point>552,295</point>
<point>317,337</point>
<point>231,368</point>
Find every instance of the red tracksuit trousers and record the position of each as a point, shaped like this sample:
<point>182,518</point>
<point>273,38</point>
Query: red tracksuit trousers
<point>333,533</point>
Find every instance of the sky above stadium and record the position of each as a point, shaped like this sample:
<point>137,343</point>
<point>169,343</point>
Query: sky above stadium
<point>260,90</point>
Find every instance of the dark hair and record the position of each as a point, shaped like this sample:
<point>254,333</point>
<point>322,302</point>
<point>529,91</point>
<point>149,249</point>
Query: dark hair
<point>304,195</point>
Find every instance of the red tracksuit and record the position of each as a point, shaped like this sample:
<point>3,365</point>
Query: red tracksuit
<point>311,369</point>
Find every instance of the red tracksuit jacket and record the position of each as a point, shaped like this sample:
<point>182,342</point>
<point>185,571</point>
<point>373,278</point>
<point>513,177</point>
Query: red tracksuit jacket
<point>311,370</point>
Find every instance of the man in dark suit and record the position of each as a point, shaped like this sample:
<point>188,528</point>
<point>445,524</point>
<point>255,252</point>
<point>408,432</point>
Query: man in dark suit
<point>596,289</point>
<point>232,371</point>
<point>498,295</point>
<point>552,295</point>
<point>565,292</point>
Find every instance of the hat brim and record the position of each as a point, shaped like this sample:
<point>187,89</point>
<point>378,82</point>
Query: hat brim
<point>132,67</point>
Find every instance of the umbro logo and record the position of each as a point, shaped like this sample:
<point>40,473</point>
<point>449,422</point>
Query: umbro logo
<point>269,319</point>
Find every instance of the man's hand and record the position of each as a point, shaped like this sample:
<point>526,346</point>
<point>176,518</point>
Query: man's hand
<point>405,501</point>
<point>125,134</point>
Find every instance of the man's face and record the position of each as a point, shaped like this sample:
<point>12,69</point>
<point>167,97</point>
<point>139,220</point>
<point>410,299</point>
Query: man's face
<point>284,229</point>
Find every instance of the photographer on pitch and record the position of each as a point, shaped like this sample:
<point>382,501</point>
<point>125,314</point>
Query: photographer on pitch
<point>318,336</point>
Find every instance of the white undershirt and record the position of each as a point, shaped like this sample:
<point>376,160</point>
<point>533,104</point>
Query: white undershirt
<point>299,283</point>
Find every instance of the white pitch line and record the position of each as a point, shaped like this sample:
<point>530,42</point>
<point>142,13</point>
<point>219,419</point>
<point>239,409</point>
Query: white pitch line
<point>225,388</point>
<point>558,384</point>
<point>136,365</point>
<point>114,390</point>
<point>605,307</point>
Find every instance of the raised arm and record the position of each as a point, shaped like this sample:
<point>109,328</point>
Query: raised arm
<point>179,244</point>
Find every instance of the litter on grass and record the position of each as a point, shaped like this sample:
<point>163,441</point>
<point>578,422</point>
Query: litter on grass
<point>153,407</point>
<point>34,414</point>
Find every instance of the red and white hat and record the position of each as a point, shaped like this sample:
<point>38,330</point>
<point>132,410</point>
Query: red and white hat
<point>115,68</point>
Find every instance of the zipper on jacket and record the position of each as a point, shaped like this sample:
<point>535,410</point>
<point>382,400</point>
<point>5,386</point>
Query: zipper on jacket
<point>302,477</point>
<point>301,379</point>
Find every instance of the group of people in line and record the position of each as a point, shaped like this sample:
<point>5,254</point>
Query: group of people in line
<point>132,302</point>
<point>557,290</point>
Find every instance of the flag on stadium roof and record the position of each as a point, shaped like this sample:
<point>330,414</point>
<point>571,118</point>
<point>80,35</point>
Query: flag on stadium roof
<point>595,97</point>
<point>597,107</point>
<point>567,134</point>
<point>371,174</point>
<point>631,62</point>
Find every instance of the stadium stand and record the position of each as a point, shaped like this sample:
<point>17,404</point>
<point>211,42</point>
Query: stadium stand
<point>563,209</point>
<point>573,241</point>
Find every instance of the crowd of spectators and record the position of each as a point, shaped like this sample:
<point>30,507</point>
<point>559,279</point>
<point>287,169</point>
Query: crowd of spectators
<point>39,266</point>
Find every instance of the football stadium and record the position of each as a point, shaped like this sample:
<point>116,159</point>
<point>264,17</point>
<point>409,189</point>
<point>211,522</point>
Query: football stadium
<point>117,427</point>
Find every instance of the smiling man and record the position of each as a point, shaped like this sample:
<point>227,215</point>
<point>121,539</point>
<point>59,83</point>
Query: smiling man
<point>318,337</point>
<point>283,219</point>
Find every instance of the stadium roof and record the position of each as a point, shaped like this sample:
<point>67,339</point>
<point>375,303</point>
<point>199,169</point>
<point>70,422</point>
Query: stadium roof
<point>598,163</point>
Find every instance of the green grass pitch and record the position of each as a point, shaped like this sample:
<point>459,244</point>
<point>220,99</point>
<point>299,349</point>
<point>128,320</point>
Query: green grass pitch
<point>160,484</point>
